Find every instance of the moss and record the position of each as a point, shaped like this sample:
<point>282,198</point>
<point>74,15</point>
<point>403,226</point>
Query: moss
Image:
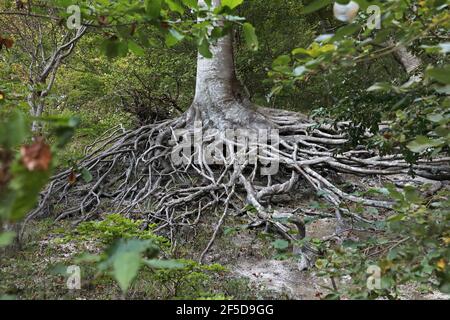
<point>113,227</point>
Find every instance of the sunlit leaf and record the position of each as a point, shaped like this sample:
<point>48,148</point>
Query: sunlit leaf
<point>422,143</point>
<point>153,8</point>
<point>441,75</point>
<point>231,3</point>
<point>125,268</point>
<point>164,264</point>
<point>250,36</point>
<point>135,48</point>
<point>6,238</point>
<point>203,48</point>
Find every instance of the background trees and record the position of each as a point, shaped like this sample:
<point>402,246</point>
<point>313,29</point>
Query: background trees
<point>416,104</point>
<point>44,44</point>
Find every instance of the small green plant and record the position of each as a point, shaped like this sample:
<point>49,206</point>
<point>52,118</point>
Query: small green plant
<point>113,227</point>
<point>192,281</point>
<point>131,249</point>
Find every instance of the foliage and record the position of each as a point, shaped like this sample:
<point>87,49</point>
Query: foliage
<point>114,227</point>
<point>411,247</point>
<point>419,107</point>
<point>25,171</point>
<point>126,24</point>
<point>40,273</point>
<point>125,28</point>
<point>191,278</point>
<point>124,258</point>
<point>346,72</point>
<point>131,249</point>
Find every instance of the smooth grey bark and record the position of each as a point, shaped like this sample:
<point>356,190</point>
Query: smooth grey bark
<point>410,63</point>
<point>220,100</point>
<point>407,59</point>
<point>43,73</point>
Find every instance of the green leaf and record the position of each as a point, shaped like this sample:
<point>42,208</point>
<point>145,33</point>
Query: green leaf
<point>88,258</point>
<point>230,231</point>
<point>153,8</point>
<point>250,36</point>
<point>300,70</point>
<point>396,217</point>
<point>164,264</point>
<point>392,255</point>
<point>422,143</point>
<point>173,37</point>
<point>280,244</point>
<point>441,75</point>
<point>231,3</point>
<point>125,268</point>
<point>380,86</point>
<point>394,193</point>
<point>250,208</point>
<point>121,246</point>
<point>443,48</point>
<point>315,5</point>
<point>6,238</point>
<point>16,124</point>
<point>25,188</point>
<point>193,4</point>
<point>175,5</point>
<point>203,48</point>
<point>435,117</point>
<point>302,51</point>
<point>281,61</point>
<point>445,287</point>
<point>346,31</point>
<point>134,245</point>
<point>217,33</point>
<point>412,195</point>
<point>113,48</point>
<point>135,48</point>
<point>86,175</point>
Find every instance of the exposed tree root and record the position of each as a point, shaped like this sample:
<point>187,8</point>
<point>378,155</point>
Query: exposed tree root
<point>135,173</point>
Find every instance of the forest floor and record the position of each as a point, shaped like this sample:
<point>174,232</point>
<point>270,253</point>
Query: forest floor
<point>254,268</point>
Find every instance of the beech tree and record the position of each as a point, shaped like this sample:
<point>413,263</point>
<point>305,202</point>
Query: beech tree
<point>44,45</point>
<point>135,171</point>
<point>216,155</point>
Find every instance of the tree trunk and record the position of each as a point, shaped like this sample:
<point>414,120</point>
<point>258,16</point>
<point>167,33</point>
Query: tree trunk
<point>407,59</point>
<point>220,101</point>
<point>36,104</point>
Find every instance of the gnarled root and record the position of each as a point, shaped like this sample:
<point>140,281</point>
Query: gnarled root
<point>145,172</point>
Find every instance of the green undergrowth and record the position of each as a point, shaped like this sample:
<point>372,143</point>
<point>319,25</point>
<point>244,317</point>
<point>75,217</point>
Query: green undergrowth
<point>113,227</point>
<point>39,269</point>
